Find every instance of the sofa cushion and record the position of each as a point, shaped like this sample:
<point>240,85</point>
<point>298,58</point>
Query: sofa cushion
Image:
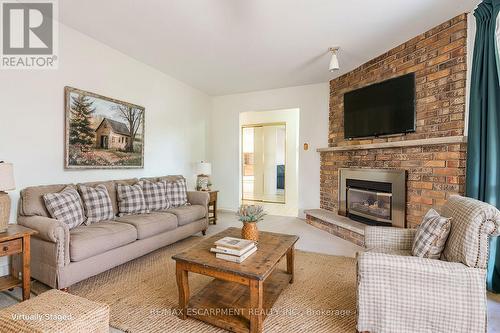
<point>128,181</point>
<point>171,178</point>
<point>88,241</point>
<point>148,225</point>
<point>149,179</point>
<point>32,199</point>
<point>188,214</point>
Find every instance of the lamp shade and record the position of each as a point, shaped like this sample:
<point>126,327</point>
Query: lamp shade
<point>7,177</point>
<point>334,62</point>
<point>204,168</point>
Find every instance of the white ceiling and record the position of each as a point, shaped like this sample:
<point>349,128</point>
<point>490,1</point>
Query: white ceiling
<point>229,46</point>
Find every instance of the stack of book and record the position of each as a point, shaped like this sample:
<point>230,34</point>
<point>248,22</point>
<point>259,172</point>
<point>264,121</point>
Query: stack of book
<point>233,249</point>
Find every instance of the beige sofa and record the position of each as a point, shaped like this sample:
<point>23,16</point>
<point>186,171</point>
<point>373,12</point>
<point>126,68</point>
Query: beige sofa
<point>61,257</point>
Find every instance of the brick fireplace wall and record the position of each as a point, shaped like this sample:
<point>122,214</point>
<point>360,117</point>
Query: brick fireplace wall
<point>438,58</point>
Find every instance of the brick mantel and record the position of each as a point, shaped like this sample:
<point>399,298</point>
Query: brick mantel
<point>434,155</point>
<point>402,143</point>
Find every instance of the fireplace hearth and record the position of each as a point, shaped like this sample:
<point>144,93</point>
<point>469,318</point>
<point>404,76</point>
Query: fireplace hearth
<point>373,196</point>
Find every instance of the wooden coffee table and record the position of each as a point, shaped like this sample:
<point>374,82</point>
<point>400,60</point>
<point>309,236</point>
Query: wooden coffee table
<point>241,295</point>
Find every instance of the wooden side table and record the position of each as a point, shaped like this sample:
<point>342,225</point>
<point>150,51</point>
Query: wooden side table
<point>15,241</point>
<point>212,207</point>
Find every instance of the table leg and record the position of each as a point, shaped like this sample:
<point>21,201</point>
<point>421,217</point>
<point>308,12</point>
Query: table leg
<point>209,212</point>
<point>215,212</point>
<point>26,268</point>
<point>14,272</point>
<point>256,306</point>
<point>183,286</point>
<point>290,259</point>
<point>13,266</point>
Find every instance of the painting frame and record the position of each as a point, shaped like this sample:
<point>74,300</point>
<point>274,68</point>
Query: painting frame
<point>69,148</point>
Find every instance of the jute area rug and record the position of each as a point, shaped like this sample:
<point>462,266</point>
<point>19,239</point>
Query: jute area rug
<point>142,295</point>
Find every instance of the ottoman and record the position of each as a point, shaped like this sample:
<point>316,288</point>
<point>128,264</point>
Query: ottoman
<point>55,311</point>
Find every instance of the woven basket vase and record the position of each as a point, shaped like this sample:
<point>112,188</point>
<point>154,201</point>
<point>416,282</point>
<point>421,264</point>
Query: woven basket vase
<point>250,231</point>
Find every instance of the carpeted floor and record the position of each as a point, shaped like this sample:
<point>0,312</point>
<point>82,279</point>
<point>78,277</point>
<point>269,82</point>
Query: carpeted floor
<point>142,295</point>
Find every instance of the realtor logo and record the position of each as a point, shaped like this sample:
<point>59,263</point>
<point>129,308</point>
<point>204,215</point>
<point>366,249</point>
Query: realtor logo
<point>29,34</point>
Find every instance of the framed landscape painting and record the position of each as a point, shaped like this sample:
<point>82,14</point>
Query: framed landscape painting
<point>102,132</point>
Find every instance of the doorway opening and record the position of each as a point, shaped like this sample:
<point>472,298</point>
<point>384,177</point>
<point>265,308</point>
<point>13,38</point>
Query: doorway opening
<point>269,160</point>
<point>263,162</point>
<point>104,142</point>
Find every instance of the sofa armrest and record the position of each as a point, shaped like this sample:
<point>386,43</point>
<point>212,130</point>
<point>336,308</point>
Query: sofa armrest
<point>198,198</point>
<point>389,238</point>
<point>50,230</point>
<point>413,294</point>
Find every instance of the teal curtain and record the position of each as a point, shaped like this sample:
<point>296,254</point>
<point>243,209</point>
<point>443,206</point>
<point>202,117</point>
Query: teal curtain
<point>483,152</point>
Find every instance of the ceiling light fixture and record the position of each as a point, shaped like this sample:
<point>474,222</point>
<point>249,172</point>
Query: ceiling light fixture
<point>334,61</point>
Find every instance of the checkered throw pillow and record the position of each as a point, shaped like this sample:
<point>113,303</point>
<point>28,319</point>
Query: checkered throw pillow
<point>177,193</point>
<point>65,206</point>
<point>155,195</point>
<point>431,235</point>
<point>97,203</point>
<point>131,200</point>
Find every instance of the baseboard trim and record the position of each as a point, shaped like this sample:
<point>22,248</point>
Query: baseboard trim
<point>226,210</point>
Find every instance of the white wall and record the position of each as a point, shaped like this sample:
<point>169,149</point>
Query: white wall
<point>312,100</point>
<point>32,114</point>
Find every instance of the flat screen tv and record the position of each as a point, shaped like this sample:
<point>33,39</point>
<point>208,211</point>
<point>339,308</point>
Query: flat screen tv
<point>383,108</point>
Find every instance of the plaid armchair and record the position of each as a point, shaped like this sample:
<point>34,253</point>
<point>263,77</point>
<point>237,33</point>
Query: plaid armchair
<point>401,293</point>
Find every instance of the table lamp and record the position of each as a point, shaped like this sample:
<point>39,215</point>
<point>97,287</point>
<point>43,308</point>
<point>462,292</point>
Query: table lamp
<point>204,169</point>
<point>6,184</point>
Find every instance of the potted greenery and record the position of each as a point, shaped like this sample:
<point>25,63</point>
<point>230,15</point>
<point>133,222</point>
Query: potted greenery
<point>250,215</point>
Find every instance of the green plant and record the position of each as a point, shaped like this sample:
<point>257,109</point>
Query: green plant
<point>250,213</point>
